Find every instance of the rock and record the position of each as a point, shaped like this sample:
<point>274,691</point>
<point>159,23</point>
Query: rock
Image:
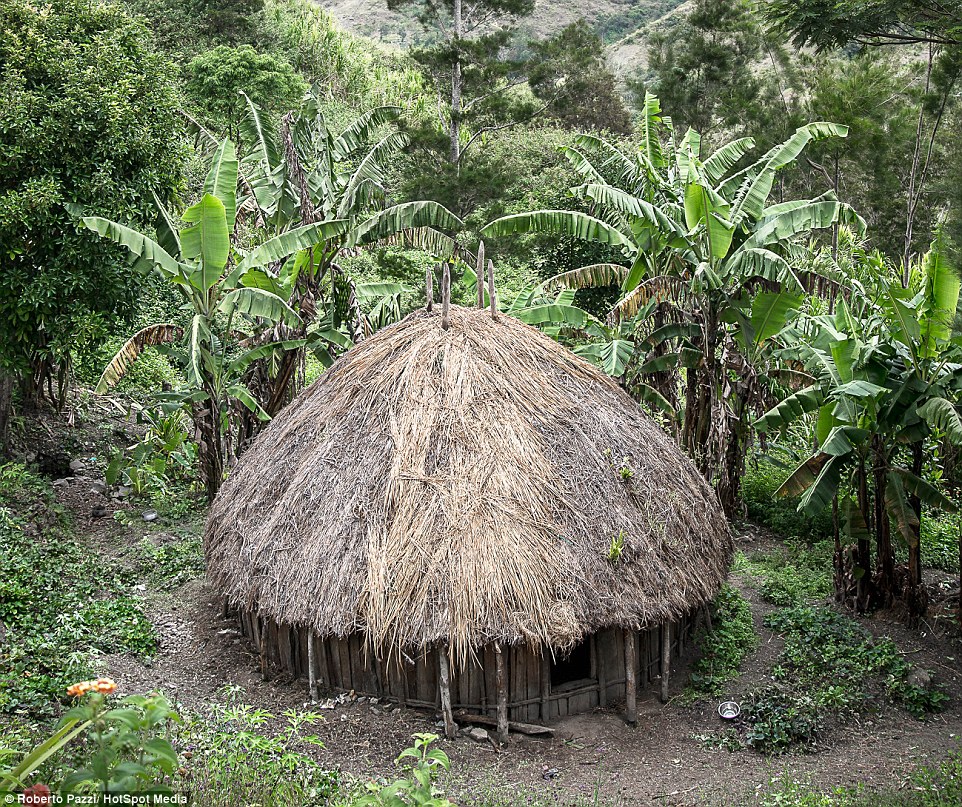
<point>396,710</point>
<point>919,678</point>
<point>77,465</point>
<point>98,487</point>
<point>98,511</point>
<point>150,515</point>
<point>122,492</point>
<point>477,734</point>
<point>61,483</point>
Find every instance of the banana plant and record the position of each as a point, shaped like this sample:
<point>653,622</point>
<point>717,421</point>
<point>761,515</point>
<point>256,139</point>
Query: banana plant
<point>701,239</point>
<point>229,303</point>
<point>307,172</point>
<point>886,378</point>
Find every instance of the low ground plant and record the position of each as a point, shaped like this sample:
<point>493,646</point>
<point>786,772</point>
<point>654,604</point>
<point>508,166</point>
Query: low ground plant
<point>724,648</point>
<point>794,573</point>
<point>61,603</point>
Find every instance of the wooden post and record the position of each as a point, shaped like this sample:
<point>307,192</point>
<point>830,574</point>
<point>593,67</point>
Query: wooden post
<point>445,296</point>
<point>429,287</point>
<point>602,675</point>
<point>480,279</point>
<point>450,728</point>
<point>311,674</point>
<point>492,298</point>
<point>665,660</point>
<point>502,694</point>
<point>631,688</point>
<point>545,682</point>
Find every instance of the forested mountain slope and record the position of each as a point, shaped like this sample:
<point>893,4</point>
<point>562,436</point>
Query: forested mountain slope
<point>621,23</point>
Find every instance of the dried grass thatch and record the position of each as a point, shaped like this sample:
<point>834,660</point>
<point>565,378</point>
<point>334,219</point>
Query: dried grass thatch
<point>465,485</point>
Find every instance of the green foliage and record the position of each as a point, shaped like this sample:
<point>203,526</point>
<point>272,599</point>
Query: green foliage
<point>940,541</point>
<point>242,755</point>
<point>794,574</point>
<point>163,457</point>
<point>761,481</point>
<point>841,666</point>
<point>62,603</point>
<point>778,720</point>
<point>125,750</point>
<point>88,115</point>
<point>723,650</point>
<point>173,563</point>
<point>568,72</point>
<point>216,78</point>
<point>420,766</point>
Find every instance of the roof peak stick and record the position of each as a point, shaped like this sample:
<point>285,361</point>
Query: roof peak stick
<point>492,297</point>
<point>445,296</point>
<point>429,288</point>
<point>480,277</point>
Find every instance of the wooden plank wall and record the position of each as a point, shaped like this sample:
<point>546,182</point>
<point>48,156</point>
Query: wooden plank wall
<point>347,664</point>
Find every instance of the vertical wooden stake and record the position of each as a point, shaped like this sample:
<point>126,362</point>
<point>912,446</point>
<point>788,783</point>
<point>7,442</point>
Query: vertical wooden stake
<point>429,287</point>
<point>492,298</point>
<point>311,674</point>
<point>602,674</point>
<point>445,296</point>
<point>545,682</point>
<point>502,694</point>
<point>450,729</point>
<point>480,279</point>
<point>665,660</point>
<point>631,685</point>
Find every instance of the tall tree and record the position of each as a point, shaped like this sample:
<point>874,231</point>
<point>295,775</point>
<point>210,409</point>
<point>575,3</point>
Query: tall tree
<point>88,114</point>
<point>569,73</point>
<point>470,64</point>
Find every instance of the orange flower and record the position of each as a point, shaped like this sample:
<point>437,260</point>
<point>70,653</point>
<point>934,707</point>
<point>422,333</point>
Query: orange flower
<point>80,689</point>
<point>105,686</point>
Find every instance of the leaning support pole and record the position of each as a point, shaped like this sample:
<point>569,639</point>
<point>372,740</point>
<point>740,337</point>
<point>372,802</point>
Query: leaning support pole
<point>429,288</point>
<point>446,296</point>
<point>502,686</point>
<point>311,673</point>
<point>631,686</point>
<point>450,727</point>
<point>480,279</point>
<point>492,297</point>
<point>665,660</point>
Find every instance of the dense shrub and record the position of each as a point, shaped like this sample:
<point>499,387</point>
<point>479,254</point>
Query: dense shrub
<point>723,650</point>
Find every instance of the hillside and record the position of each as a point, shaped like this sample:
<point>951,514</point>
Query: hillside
<point>621,23</point>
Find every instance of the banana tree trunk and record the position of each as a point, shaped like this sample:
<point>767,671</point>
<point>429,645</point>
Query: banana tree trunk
<point>863,549</point>
<point>6,408</point>
<point>885,557</point>
<point>210,450</point>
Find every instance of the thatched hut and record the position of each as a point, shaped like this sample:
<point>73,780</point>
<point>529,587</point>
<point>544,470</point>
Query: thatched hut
<point>468,517</point>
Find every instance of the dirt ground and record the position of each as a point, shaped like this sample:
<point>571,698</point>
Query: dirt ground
<point>595,757</point>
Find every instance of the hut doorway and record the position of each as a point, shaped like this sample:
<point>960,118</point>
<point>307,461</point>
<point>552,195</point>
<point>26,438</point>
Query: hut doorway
<point>576,668</point>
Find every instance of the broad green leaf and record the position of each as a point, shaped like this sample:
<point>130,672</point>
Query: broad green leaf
<point>281,246</point>
<point>242,394</point>
<point>207,237</point>
<point>258,303</point>
<point>612,356</point>
<point>859,389</point>
<point>594,276</point>
<point>899,509</point>
<point>565,315</point>
<point>853,521</point>
<point>940,296</point>
<point>221,181</point>
<point>926,492</point>
<point>705,207</point>
<point>137,243</point>
<point>821,492</point>
<point>791,409</point>
<point>379,289</point>
<point>800,220</point>
<point>560,222</point>
<point>406,216</point>
<point>770,312</point>
<point>843,440</point>
<point>651,396</point>
<point>803,477</point>
<point>718,164</point>
<point>942,415</point>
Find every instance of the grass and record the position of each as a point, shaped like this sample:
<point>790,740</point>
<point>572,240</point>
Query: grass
<point>62,603</point>
<point>934,785</point>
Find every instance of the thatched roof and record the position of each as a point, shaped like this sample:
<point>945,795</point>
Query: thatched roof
<point>464,485</point>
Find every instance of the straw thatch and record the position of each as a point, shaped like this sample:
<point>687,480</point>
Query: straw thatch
<point>465,486</point>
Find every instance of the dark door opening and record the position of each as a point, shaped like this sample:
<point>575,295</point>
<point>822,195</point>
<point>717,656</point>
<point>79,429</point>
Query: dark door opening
<point>573,669</point>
